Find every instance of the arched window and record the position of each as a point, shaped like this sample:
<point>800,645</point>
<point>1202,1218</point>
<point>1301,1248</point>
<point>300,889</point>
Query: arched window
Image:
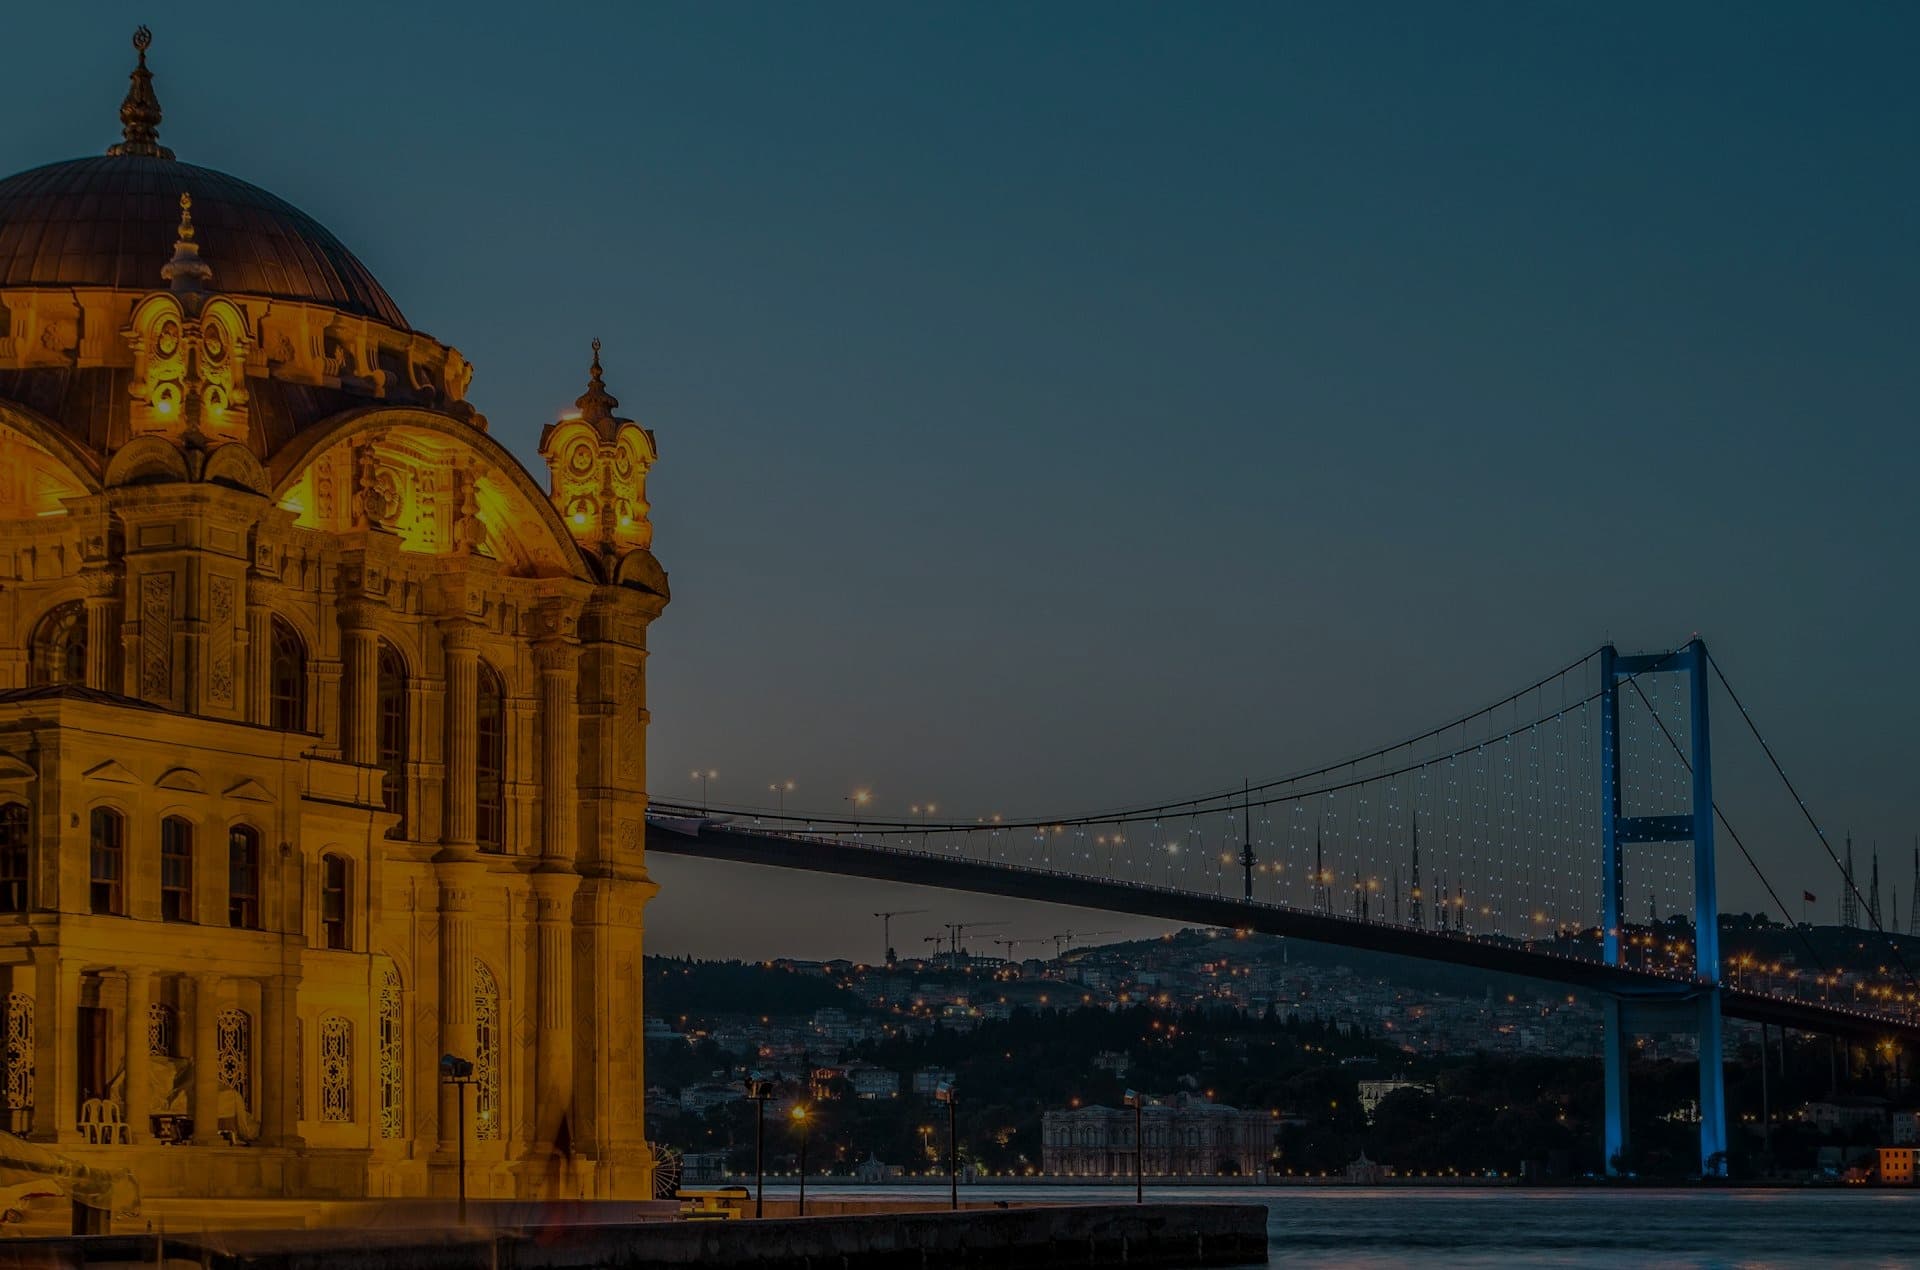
<point>486,1052</point>
<point>390,736</point>
<point>243,877</point>
<point>106,860</point>
<point>333,901</point>
<point>176,869</point>
<point>287,678</point>
<point>14,831</point>
<point>59,650</point>
<point>336,1069</point>
<point>392,1057</point>
<point>490,762</point>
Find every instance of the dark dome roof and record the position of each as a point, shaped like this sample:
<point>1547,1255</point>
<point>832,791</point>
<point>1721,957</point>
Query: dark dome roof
<point>111,222</point>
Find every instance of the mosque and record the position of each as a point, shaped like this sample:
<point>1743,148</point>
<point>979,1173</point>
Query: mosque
<point>322,722</point>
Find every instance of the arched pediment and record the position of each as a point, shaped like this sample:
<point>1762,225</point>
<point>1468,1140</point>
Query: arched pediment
<point>147,460</point>
<point>438,483</point>
<point>40,466</point>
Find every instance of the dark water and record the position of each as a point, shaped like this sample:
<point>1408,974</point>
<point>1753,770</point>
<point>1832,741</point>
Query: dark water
<point>1410,1226</point>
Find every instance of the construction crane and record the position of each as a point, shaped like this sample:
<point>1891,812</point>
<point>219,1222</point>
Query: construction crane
<point>959,929</point>
<point>1065,937</point>
<point>886,927</point>
<point>1013,944</point>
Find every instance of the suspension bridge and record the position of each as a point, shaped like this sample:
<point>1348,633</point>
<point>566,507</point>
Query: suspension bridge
<point>1515,839</point>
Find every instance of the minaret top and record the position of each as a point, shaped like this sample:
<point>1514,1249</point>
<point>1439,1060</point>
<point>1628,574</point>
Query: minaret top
<point>186,271</point>
<point>597,404</point>
<point>140,112</point>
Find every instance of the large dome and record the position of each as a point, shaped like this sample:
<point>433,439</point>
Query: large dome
<point>112,221</point>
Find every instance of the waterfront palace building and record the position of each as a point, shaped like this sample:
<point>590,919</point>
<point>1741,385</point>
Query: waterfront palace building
<point>322,721</point>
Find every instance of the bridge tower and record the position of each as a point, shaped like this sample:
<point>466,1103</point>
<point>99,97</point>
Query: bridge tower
<point>1701,1010</point>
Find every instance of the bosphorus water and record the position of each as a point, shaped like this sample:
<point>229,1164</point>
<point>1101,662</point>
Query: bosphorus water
<point>1359,1226</point>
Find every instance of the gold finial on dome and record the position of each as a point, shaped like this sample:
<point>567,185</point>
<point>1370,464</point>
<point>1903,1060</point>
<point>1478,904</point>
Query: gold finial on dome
<point>186,271</point>
<point>140,112</point>
<point>596,404</point>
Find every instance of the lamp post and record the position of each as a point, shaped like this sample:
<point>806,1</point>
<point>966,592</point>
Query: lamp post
<point>800,1122</point>
<point>458,1072</point>
<point>944,1092</point>
<point>782,789</point>
<point>703,778</point>
<point>1135,1101</point>
<point>759,1089</point>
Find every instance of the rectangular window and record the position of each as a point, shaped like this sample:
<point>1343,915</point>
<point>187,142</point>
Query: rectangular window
<point>333,901</point>
<point>13,858</point>
<point>104,857</point>
<point>243,878</point>
<point>176,870</point>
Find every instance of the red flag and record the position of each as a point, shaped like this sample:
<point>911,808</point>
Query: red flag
<point>1809,897</point>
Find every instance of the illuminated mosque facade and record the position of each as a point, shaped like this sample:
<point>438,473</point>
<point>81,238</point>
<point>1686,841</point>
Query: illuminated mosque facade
<point>322,721</point>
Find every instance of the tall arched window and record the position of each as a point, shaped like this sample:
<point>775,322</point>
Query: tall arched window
<point>14,831</point>
<point>490,762</point>
<point>106,860</point>
<point>287,678</point>
<point>243,877</point>
<point>391,734</point>
<point>176,869</point>
<point>486,1052</point>
<point>58,653</point>
<point>392,1058</point>
<point>333,901</point>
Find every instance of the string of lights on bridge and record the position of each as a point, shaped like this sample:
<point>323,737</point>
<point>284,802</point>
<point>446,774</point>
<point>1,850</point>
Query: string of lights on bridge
<point>1482,827</point>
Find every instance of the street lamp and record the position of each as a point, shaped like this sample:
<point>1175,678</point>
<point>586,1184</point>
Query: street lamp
<point>781,789</point>
<point>800,1123</point>
<point>1138,1103</point>
<point>944,1092</point>
<point>859,798</point>
<point>458,1072</point>
<point>759,1089</point>
<point>703,778</point>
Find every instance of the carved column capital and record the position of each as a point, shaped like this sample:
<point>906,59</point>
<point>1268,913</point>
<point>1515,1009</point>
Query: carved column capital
<point>101,582</point>
<point>358,612</point>
<point>459,634</point>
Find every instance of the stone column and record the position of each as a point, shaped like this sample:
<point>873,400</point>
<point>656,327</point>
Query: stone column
<point>459,639</point>
<point>103,626</point>
<point>360,677</point>
<point>553,1037</point>
<point>56,1060</point>
<point>276,1064</point>
<point>458,1036</point>
<point>206,1061</point>
<point>139,1080</point>
<point>559,748</point>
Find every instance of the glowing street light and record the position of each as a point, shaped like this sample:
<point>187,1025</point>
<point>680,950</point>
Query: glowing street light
<point>799,1114</point>
<point>703,778</point>
<point>781,789</point>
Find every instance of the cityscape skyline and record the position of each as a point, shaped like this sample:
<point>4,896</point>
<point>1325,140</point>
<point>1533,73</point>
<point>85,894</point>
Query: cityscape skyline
<point>1322,326</point>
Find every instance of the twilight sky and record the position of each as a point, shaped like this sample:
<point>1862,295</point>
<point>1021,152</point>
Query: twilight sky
<point>1070,405</point>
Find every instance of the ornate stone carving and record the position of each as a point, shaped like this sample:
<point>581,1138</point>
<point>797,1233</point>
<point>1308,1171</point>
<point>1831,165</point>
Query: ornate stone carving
<point>336,1069</point>
<point>233,1053</point>
<point>220,640</point>
<point>156,636</point>
<point>392,1058</point>
<point>19,1053</point>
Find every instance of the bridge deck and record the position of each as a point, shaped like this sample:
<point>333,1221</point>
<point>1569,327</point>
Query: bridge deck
<point>722,841</point>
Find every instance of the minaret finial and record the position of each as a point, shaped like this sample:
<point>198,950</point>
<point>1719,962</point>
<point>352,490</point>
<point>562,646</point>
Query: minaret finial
<point>596,404</point>
<point>186,271</point>
<point>140,112</point>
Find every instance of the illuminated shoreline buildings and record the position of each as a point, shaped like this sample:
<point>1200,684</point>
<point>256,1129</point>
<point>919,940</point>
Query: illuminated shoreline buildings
<point>322,724</point>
